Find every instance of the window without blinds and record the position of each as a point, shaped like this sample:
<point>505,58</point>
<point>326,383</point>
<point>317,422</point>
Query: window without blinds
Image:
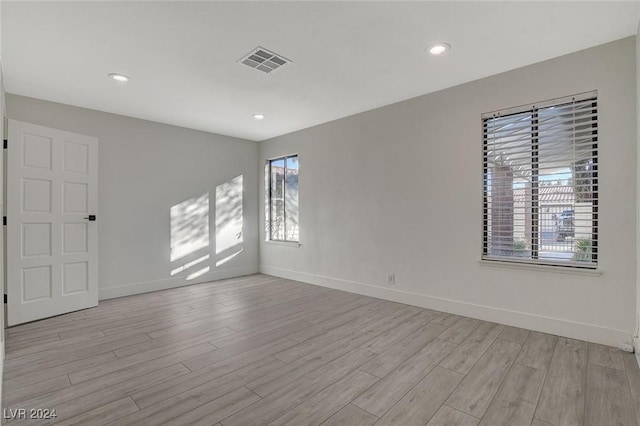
<point>541,183</point>
<point>282,201</point>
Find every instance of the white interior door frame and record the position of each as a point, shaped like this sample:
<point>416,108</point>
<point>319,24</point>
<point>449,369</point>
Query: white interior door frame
<point>51,233</point>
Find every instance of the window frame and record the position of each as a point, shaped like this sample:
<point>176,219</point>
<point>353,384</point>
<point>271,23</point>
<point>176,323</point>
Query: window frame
<point>268,198</point>
<point>534,260</point>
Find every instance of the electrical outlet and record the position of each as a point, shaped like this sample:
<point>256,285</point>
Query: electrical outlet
<point>391,278</point>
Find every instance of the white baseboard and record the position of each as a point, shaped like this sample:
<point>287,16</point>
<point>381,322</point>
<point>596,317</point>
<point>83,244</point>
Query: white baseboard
<point>557,326</point>
<point>146,287</point>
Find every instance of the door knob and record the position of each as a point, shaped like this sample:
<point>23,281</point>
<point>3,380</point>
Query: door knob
<point>91,217</point>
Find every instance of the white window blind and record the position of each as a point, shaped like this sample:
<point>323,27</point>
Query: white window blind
<point>540,167</point>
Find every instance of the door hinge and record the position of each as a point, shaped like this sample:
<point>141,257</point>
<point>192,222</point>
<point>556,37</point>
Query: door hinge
<point>5,298</point>
<point>4,221</point>
<point>5,144</point>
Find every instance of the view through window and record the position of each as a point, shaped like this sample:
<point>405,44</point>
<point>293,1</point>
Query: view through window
<point>282,220</point>
<point>540,167</point>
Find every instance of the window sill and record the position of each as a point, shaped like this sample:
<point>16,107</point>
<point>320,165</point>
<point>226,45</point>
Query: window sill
<point>283,243</point>
<point>560,269</point>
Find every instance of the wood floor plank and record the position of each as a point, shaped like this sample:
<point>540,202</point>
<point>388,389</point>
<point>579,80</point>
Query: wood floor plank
<point>169,340</point>
<point>296,369</point>
<point>271,324</point>
<point>386,339</point>
<point>78,328</point>
<point>159,311</point>
<point>389,390</point>
<point>445,319</point>
<point>563,394</point>
<point>19,392</point>
<point>324,404</point>
<point>103,415</point>
<point>355,308</point>
<point>514,334</point>
<point>289,372</point>
<point>477,389</point>
<point>180,384</point>
<point>182,403</point>
<point>73,353</point>
<point>467,354</point>
<point>447,416</point>
<point>146,327</point>
<point>79,399</point>
<point>248,351</point>
<point>333,321</point>
<point>345,303</point>
<point>349,342</point>
<point>256,315</point>
<point>232,293</point>
<point>55,323</point>
<point>388,360</point>
<point>273,406</point>
<point>382,322</point>
<point>104,368</point>
<point>115,382</point>
<point>605,356</point>
<point>515,402</point>
<point>37,376</point>
<point>431,392</point>
<point>633,375</point>
<point>18,343</point>
<point>19,346</point>
<point>608,400</point>
<point>283,330</point>
<point>315,344</point>
<point>194,327</point>
<point>537,350</point>
<point>217,409</point>
<point>460,330</point>
<point>45,349</point>
<point>351,415</point>
<point>538,422</point>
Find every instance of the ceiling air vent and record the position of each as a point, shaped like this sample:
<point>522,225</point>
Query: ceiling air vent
<point>264,60</point>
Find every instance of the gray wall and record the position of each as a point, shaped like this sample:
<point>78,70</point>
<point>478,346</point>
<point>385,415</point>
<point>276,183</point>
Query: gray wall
<point>398,189</point>
<point>145,168</point>
<point>637,328</point>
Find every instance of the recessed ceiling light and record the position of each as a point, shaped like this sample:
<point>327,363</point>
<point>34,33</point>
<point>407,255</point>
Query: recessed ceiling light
<point>120,78</point>
<point>439,49</point>
<point>258,116</point>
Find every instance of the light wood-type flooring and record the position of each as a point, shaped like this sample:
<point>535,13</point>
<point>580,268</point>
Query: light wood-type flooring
<point>260,350</point>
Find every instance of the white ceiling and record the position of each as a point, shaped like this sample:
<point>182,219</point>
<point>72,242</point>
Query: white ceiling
<point>348,57</point>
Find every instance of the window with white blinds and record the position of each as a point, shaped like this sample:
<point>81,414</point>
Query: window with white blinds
<point>540,179</point>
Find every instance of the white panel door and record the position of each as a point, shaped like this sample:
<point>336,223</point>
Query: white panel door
<point>52,236</point>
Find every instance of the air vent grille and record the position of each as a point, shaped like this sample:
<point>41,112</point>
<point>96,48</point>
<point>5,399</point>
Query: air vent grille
<point>264,60</point>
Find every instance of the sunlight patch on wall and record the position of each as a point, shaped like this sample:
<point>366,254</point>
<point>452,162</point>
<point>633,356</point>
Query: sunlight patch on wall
<point>229,220</point>
<point>188,265</point>
<point>198,273</point>
<point>224,260</point>
<point>189,226</point>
